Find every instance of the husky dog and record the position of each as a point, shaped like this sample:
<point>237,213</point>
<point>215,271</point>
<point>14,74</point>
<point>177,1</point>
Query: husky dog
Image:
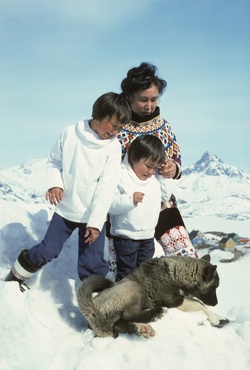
<point>145,294</point>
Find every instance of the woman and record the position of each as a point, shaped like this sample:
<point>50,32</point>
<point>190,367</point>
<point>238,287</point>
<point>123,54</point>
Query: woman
<point>142,88</point>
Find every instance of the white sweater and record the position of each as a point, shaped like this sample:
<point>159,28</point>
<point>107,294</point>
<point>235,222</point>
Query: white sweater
<point>130,221</point>
<point>87,168</point>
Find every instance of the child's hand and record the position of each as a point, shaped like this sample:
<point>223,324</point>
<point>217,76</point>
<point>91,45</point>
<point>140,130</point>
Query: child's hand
<point>137,197</point>
<point>91,234</point>
<point>54,196</point>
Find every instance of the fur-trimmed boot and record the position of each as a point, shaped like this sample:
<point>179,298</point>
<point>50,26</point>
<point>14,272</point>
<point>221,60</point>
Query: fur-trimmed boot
<point>22,270</point>
<point>172,235</point>
<point>176,242</point>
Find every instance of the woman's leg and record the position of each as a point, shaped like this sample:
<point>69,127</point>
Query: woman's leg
<point>172,235</point>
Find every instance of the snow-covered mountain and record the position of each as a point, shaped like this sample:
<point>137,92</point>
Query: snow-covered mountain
<point>25,181</point>
<point>208,188</point>
<point>211,165</point>
<point>211,187</point>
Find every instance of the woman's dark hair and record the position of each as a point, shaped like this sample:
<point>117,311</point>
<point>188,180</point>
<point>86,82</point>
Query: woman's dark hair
<point>142,78</point>
<point>145,147</point>
<point>110,104</point>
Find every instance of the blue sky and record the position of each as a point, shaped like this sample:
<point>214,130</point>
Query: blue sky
<point>57,57</point>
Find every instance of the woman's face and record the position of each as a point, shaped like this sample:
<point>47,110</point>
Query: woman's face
<point>144,102</point>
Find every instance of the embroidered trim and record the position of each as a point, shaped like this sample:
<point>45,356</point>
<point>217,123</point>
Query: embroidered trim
<point>156,126</point>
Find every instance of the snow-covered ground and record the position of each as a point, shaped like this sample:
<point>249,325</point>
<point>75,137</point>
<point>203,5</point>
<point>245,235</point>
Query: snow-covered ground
<point>43,329</point>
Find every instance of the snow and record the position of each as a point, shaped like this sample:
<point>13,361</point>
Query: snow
<point>43,329</point>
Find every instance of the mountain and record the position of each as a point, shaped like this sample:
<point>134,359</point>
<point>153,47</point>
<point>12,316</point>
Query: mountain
<point>211,187</point>
<point>208,188</point>
<point>211,165</point>
<point>25,181</point>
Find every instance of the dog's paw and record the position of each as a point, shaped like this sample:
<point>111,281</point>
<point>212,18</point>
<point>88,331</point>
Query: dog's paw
<point>159,312</point>
<point>213,318</point>
<point>145,331</point>
<point>222,323</point>
<point>164,311</point>
<point>217,321</point>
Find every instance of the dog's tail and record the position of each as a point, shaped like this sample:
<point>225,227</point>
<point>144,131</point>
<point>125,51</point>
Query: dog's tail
<point>89,286</point>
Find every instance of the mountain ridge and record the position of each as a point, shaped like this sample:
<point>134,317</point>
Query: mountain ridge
<point>212,165</point>
<point>209,187</point>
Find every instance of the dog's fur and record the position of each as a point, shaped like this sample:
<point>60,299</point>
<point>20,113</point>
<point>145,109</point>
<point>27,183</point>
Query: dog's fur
<point>182,282</point>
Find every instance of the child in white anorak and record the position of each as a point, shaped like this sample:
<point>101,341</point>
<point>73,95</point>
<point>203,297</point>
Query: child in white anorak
<point>135,209</point>
<point>83,172</point>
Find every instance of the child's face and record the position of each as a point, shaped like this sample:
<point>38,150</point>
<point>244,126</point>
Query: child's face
<point>108,127</point>
<point>145,168</point>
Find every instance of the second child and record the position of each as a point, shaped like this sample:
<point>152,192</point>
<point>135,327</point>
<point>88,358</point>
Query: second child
<point>136,206</point>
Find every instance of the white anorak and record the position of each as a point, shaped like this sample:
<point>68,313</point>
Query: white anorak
<point>87,168</point>
<point>131,221</point>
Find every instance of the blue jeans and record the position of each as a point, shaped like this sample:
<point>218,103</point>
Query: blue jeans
<point>131,253</point>
<point>90,256</point>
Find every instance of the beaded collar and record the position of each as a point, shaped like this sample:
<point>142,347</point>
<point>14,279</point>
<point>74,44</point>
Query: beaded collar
<point>136,119</point>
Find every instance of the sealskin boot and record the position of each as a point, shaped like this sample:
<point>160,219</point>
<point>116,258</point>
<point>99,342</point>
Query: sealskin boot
<point>22,270</point>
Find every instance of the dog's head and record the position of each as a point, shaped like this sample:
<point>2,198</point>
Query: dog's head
<point>206,290</point>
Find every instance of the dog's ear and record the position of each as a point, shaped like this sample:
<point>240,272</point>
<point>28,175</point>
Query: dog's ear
<point>209,272</point>
<point>206,257</point>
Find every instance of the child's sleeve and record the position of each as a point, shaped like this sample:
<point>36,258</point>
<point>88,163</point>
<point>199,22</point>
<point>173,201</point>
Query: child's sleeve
<point>106,187</point>
<point>55,166</point>
<point>121,203</point>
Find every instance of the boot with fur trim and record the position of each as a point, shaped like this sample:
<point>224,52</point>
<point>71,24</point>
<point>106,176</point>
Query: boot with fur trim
<point>176,242</point>
<point>172,234</point>
<point>22,270</point>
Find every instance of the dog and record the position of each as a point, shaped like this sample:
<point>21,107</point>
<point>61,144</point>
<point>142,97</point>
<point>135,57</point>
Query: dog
<point>144,296</point>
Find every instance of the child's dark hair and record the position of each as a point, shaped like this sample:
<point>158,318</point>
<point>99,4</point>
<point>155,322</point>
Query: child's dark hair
<point>145,147</point>
<point>110,104</point>
<point>142,78</point>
